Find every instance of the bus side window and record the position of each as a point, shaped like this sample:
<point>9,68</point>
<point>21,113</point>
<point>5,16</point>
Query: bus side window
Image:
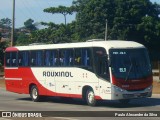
<point>50,58</point>
<point>61,57</point>
<point>47,58</point>
<point>83,58</point>
<point>78,57</point>
<point>36,58</point>
<point>13,59</point>
<point>23,58</point>
<point>20,59</point>
<point>7,59</point>
<point>66,57</point>
<point>86,57</point>
<point>70,57</point>
<point>56,58</point>
<point>39,58</point>
<point>33,57</point>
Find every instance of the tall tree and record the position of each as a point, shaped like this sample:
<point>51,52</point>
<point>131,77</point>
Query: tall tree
<point>62,10</point>
<point>29,24</point>
<point>91,17</point>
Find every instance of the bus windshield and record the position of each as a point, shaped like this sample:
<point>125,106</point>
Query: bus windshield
<point>130,63</point>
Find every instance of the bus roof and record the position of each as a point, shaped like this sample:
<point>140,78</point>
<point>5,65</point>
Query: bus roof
<point>106,44</point>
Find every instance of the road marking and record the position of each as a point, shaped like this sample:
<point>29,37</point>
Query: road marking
<point>4,119</point>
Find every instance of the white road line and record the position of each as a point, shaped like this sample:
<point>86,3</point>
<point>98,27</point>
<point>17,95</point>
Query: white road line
<point>4,119</point>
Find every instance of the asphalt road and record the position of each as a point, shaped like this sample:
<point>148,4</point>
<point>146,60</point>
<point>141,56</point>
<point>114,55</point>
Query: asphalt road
<point>20,102</point>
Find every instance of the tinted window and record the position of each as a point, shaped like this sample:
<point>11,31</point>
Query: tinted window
<point>51,58</point>
<point>86,57</point>
<point>66,57</point>
<point>83,57</point>
<point>7,59</point>
<point>36,58</point>
<point>23,58</point>
<point>78,59</point>
<point>11,59</point>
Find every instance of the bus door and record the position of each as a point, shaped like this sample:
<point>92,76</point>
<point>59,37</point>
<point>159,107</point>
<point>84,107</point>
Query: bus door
<point>102,71</point>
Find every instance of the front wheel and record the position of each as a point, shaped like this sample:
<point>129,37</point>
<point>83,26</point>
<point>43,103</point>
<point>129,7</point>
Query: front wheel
<point>90,97</point>
<point>34,93</point>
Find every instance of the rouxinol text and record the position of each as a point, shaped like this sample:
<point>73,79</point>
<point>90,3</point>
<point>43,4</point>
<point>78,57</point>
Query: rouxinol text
<point>57,74</point>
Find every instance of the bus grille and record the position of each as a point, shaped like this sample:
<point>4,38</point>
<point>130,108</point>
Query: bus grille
<point>135,90</point>
<point>135,95</point>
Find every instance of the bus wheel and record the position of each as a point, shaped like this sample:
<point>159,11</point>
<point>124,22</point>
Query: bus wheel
<point>90,97</point>
<point>124,101</point>
<point>34,93</point>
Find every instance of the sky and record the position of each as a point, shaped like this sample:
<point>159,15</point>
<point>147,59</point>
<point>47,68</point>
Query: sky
<point>33,9</point>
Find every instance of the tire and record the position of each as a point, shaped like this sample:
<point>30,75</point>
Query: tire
<point>124,101</point>
<point>34,94</point>
<point>90,97</point>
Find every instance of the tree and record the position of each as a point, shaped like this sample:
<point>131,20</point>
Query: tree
<point>23,39</point>
<point>136,20</point>
<point>3,46</point>
<point>62,10</point>
<point>91,17</point>
<point>0,36</point>
<point>52,34</point>
<point>28,24</point>
<point>5,23</point>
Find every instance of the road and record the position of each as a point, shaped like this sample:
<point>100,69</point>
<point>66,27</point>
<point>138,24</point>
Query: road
<point>20,102</point>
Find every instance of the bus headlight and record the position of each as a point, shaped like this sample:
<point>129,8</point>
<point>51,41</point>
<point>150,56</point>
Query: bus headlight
<point>118,89</point>
<point>149,88</point>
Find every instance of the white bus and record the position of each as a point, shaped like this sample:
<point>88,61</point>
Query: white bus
<point>94,70</point>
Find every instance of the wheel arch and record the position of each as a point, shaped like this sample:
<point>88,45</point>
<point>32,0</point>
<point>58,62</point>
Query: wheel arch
<point>30,86</point>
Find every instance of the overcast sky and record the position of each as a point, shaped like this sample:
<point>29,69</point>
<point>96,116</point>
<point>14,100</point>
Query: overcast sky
<point>33,9</point>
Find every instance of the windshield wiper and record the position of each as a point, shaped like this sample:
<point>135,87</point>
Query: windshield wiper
<point>129,69</point>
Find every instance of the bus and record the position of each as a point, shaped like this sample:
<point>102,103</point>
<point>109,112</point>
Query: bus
<point>92,70</point>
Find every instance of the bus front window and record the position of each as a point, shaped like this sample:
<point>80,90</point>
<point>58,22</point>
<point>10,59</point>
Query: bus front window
<point>130,63</point>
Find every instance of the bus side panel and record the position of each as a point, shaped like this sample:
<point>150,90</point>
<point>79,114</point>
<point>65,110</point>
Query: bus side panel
<point>105,89</point>
<point>18,80</point>
<point>40,80</point>
<point>65,82</point>
<point>13,80</point>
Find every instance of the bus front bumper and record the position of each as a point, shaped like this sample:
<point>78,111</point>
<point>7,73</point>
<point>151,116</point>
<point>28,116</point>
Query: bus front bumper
<point>119,93</point>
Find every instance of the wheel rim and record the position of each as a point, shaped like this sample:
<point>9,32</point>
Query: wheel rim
<point>91,97</point>
<point>34,93</point>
